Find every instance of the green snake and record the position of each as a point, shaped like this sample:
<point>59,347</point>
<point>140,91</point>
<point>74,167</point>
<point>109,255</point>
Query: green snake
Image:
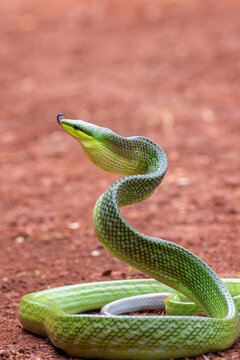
<point>58,313</point>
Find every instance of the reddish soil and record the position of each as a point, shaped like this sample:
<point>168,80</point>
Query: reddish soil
<point>168,70</point>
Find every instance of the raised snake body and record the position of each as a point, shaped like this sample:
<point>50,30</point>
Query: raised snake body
<point>53,312</point>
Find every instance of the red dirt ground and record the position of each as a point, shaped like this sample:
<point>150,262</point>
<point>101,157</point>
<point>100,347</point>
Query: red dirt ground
<point>168,70</point>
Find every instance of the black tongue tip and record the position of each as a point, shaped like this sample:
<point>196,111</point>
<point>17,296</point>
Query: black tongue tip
<point>58,118</point>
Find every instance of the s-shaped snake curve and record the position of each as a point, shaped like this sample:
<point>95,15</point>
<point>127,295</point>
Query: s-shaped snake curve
<point>58,313</point>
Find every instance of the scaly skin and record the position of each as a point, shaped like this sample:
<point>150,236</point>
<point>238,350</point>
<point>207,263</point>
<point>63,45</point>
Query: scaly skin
<point>52,312</point>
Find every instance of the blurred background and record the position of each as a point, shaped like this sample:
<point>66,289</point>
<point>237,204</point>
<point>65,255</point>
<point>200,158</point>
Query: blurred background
<point>165,69</point>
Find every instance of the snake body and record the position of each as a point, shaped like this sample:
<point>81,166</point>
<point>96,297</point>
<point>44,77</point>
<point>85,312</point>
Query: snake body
<point>175,270</point>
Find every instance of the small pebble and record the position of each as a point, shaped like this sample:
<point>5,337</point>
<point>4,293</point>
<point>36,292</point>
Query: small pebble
<point>73,225</point>
<point>107,272</point>
<point>19,239</point>
<point>95,253</point>
<point>183,181</point>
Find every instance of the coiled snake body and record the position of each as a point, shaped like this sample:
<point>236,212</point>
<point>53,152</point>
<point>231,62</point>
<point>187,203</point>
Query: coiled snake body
<point>53,312</point>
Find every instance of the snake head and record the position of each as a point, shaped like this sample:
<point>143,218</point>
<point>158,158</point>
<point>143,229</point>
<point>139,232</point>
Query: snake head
<point>104,147</point>
<point>93,139</point>
<point>79,129</point>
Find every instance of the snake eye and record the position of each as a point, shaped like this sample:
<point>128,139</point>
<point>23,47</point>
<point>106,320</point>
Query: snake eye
<point>83,130</point>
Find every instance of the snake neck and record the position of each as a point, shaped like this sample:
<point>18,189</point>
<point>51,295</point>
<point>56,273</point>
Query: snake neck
<point>165,261</point>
